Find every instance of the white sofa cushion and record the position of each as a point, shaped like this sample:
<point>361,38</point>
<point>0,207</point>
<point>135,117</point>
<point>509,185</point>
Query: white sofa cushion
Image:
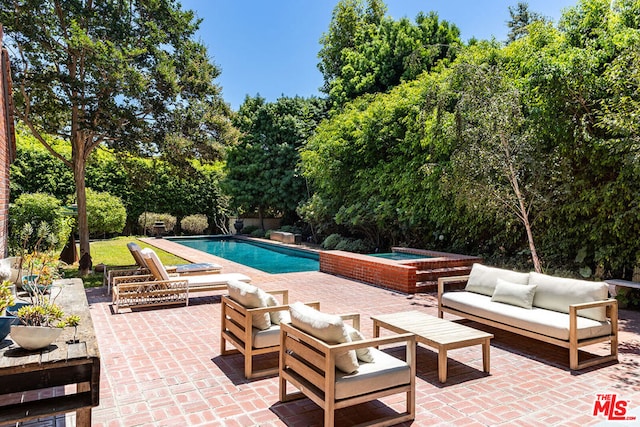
<point>514,294</point>
<point>542,321</point>
<point>365,353</point>
<point>280,316</point>
<point>385,371</point>
<point>482,278</point>
<point>326,327</point>
<point>557,293</point>
<point>250,296</point>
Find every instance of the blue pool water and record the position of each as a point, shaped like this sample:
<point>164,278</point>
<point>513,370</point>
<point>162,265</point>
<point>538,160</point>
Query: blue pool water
<point>262,256</point>
<point>399,256</point>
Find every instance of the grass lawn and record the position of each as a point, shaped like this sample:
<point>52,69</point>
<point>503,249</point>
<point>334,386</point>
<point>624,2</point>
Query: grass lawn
<point>114,252</point>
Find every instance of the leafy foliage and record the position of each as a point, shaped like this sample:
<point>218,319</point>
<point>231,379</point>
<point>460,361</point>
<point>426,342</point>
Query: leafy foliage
<point>194,224</point>
<point>146,220</point>
<point>105,212</point>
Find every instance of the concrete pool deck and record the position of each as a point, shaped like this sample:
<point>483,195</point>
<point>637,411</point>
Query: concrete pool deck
<point>162,367</point>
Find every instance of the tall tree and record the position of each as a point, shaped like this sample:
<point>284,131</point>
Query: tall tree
<point>263,168</point>
<point>117,73</point>
<point>521,18</point>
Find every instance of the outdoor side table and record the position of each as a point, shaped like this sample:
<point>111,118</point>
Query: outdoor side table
<point>32,383</point>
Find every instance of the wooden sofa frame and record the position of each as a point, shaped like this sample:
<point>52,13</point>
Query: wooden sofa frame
<point>309,364</point>
<point>573,344</point>
<point>236,326</point>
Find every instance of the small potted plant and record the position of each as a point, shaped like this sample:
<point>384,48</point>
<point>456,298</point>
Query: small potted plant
<point>7,299</point>
<point>40,323</point>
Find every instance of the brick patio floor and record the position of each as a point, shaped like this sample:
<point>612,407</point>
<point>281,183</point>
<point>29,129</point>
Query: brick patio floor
<point>162,367</point>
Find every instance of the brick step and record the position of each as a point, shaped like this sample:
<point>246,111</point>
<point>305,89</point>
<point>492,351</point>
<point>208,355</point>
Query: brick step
<point>427,286</point>
<point>432,275</point>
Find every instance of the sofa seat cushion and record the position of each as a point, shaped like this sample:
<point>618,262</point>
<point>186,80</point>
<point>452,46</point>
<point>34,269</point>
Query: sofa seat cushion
<point>266,338</point>
<point>539,320</point>
<point>557,293</point>
<point>385,371</point>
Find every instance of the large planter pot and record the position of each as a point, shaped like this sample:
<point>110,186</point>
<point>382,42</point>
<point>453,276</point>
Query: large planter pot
<point>34,337</point>
<point>5,325</point>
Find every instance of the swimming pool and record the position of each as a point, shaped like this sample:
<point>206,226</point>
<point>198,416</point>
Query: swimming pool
<point>263,256</point>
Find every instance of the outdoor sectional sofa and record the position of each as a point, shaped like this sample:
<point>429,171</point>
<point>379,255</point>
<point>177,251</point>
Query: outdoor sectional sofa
<point>566,312</point>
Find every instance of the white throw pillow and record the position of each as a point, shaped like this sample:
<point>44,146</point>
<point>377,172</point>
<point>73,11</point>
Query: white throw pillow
<point>363,354</point>
<point>277,317</point>
<point>482,279</point>
<point>326,327</point>
<point>514,294</point>
<point>250,296</point>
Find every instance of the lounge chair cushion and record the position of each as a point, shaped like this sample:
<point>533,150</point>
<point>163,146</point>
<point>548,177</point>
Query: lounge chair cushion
<point>386,371</point>
<point>557,293</point>
<point>155,265</point>
<point>514,294</point>
<point>326,327</point>
<point>136,253</point>
<point>482,279</point>
<point>250,296</point>
<point>363,354</point>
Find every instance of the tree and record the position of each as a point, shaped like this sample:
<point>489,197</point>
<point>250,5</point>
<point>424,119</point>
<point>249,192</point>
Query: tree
<point>116,73</point>
<point>366,52</point>
<point>521,18</point>
<point>263,168</point>
<point>105,212</point>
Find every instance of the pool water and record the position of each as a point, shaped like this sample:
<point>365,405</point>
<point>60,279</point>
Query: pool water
<point>267,257</point>
<point>399,256</point>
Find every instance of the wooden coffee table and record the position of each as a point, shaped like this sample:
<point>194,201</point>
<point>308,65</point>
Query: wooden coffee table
<point>434,332</point>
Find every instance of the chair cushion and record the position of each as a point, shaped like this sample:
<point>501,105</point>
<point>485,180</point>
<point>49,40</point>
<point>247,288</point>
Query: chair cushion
<point>280,316</point>
<point>154,264</point>
<point>326,327</point>
<point>384,372</point>
<point>482,279</point>
<point>514,294</point>
<point>269,337</point>
<point>557,293</point>
<point>363,354</point>
<point>204,280</point>
<point>250,296</point>
<point>136,253</point>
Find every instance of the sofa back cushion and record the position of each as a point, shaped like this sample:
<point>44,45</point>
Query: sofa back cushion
<point>250,296</point>
<point>483,279</point>
<point>557,293</point>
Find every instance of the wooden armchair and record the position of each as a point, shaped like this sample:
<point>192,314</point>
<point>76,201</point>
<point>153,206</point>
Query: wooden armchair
<point>309,364</point>
<point>236,327</point>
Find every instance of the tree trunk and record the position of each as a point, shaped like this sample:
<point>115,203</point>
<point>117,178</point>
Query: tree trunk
<point>79,169</point>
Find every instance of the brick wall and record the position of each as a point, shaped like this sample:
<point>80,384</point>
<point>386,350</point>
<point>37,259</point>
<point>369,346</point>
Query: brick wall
<point>7,143</point>
<point>377,271</point>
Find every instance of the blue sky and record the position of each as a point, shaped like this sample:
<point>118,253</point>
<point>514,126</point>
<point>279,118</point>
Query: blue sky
<point>271,47</point>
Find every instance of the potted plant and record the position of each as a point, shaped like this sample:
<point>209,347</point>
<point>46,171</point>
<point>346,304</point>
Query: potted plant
<point>40,323</point>
<point>7,299</point>
<point>42,269</point>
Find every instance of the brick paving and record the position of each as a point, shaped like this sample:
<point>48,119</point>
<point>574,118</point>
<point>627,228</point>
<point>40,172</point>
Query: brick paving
<point>162,366</point>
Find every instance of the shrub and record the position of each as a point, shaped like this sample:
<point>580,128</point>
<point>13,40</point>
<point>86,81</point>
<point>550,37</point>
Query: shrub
<point>257,233</point>
<point>331,241</point>
<point>105,213</point>
<point>291,229</point>
<point>250,229</point>
<point>31,210</point>
<point>146,220</point>
<point>194,224</point>
<point>359,246</point>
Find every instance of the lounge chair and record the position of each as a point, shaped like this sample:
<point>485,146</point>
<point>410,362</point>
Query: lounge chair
<point>320,364</point>
<point>141,267</point>
<point>250,322</point>
<point>159,288</point>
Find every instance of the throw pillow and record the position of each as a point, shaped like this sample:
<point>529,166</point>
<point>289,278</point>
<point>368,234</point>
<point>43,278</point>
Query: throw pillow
<point>482,279</point>
<point>514,293</point>
<point>277,317</point>
<point>250,296</point>
<point>363,354</point>
<point>326,327</point>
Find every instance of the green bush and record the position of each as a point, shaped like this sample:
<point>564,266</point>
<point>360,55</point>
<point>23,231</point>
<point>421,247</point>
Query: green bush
<point>146,220</point>
<point>257,233</point>
<point>194,224</point>
<point>331,241</point>
<point>105,213</point>
<point>359,246</point>
<point>26,216</point>
<point>250,229</point>
<point>291,229</point>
